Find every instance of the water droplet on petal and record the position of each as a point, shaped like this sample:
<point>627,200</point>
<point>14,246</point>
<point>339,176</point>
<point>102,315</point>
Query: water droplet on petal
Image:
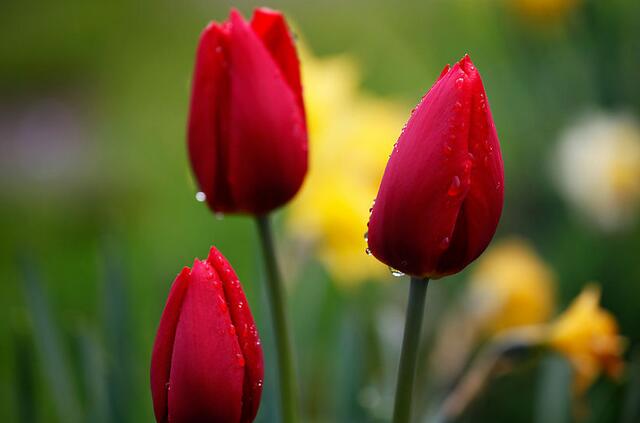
<point>444,244</point>
<point>459,82</point>
<point>367,251</point>
<point>395,272</point>
<point>232,330</point>
<point>458,106</point>
<point>455,187</point>
<point>240,360</point>
<point>366,236</point>
<point>447,149</point>
<point>201,197</point>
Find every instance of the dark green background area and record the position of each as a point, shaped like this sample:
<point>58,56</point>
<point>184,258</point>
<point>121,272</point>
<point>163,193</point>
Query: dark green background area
<point>101,243</point>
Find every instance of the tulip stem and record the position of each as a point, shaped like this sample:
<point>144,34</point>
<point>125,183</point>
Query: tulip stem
<point>282,334</point>
<point>409,354</point>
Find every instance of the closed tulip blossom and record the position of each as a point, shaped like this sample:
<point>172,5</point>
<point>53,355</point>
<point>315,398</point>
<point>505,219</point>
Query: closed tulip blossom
<point>247,134</point>
<point>207,363</point>
<point>441,194</point>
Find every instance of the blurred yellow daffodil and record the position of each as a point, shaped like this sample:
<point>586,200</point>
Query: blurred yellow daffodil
<point>351,134</point>
<point>598,169</point>
<point>588,337</point>
<point>544,10</point>
<point>511,286</point>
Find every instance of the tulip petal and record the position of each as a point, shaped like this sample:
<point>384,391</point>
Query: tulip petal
<point>271,27</point>
<point>246,332</point>
<point>267,157</point>
<point>441,194</point>
<point>205,352</point>
<point>482,205</point>
<point>207,115</point>
<point>426,180</point>
<point>163,346</point>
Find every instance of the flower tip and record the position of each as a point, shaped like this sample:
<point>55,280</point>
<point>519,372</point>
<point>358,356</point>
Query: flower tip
<point>235,16</point>
<point>266,11</point>
<point>185,272</point>
<point>214,255</point>
<point>444,71</point>
<point>466,64</point>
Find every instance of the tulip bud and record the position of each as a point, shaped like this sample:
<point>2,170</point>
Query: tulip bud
<point>441,194</point>
<point>207,363</point>
<point>247,133</point>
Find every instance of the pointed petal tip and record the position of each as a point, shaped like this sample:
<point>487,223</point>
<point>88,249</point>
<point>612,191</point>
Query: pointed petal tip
<point>466,64</point>
<point>445,71</point>
<point>235,16</point>
<point>266,11</point>
<point>214,255</point>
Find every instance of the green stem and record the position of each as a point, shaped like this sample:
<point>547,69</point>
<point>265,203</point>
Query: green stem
<point>409,355</point>
<point>277,303</point>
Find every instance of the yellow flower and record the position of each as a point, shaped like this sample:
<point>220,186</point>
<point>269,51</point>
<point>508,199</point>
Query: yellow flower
<point>544,10</point>
<point>598,169</point>
<point>588,337</point>
<point>511,286</point>
<point>351,134</point>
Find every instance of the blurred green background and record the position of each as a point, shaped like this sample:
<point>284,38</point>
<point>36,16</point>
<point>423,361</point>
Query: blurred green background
<point>97,208</point>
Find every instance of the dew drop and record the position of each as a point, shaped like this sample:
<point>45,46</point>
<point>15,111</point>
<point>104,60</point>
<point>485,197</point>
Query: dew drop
<point>455,187</point>
<point>240,305</point>
<point>201,197</point>
<point>395,272</point>
<point>259,384</point>
<point>444,244</point>
<point>468,164</point>
<point>458,106</point>
<point>240,360</point>
<point>447,149</point>
<point>232,330</point>
<point>367,251</point>
<point>459,82</point>
<point>366,236</point>
<point>222,306</point>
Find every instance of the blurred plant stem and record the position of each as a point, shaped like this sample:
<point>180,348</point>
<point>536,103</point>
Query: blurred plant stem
<point>277,301</point>
<point>488,363</point>
<point>409,354</point>
<point>49,344</point>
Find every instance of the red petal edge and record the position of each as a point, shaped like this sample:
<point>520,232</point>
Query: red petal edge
<point>163,346</point>
<point>246,333</point>
<point>209,95</point>
<point>271,27</point>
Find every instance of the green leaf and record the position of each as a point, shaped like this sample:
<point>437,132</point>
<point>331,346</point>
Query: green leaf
<point>49,345</point>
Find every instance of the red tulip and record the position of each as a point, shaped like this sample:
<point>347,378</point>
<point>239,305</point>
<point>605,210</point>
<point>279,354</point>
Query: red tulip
<point>247,133</point>
<point>207,360</point>
<point>441,195</point>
